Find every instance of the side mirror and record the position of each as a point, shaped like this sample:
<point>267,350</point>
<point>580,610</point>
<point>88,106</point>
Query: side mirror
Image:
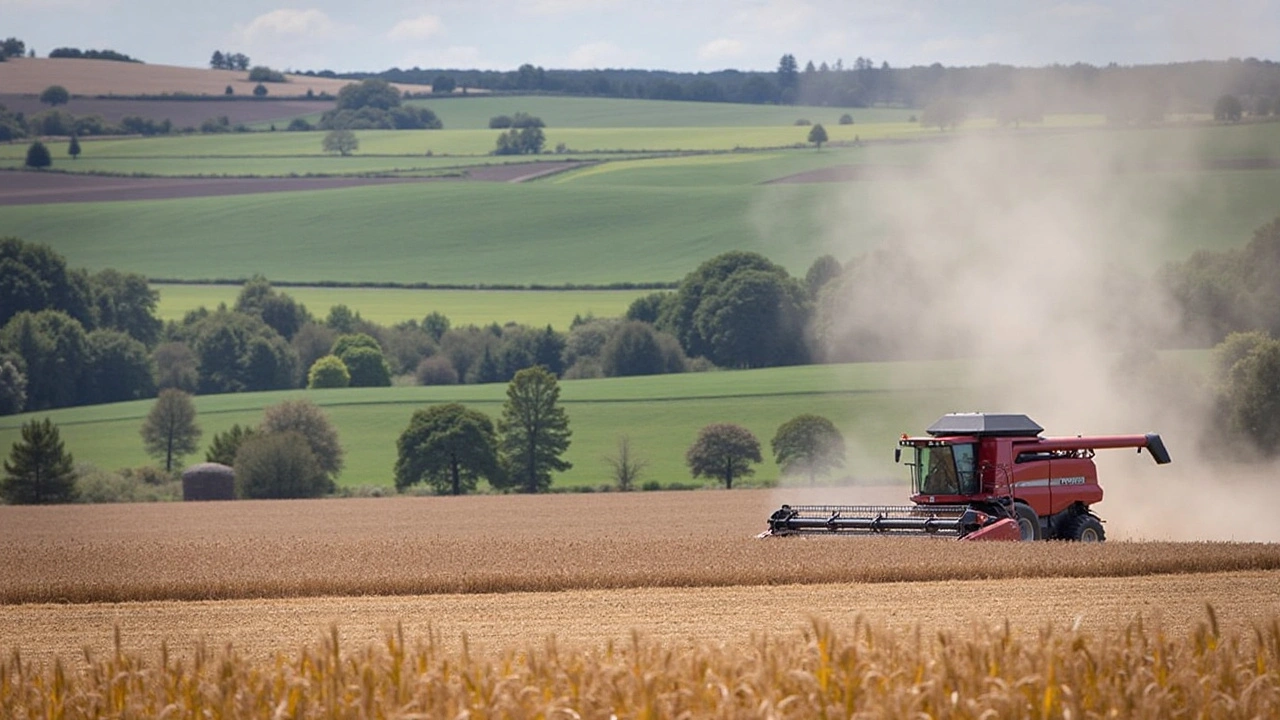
<point>897,455</point>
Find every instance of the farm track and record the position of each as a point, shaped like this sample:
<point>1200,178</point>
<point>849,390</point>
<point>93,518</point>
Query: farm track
<point>30,188</point>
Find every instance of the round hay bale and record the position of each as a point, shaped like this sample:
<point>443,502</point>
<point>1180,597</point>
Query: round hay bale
<point>209,481</point>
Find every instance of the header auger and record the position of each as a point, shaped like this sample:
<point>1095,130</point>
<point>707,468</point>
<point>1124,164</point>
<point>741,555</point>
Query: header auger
<point>982,476</point>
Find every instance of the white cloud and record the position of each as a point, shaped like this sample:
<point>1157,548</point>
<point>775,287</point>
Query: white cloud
<point>1078,11</point>
<point>419,28</point>
<point>561,7</point>
<point>290,24</point>
<point>292,38</point>
<point>464,57</point>
<point>721,49</point>
<point>599,55</point>
<point>777,16</point>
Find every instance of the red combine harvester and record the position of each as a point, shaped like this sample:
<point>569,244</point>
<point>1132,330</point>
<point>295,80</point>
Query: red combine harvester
<point>982,476</point>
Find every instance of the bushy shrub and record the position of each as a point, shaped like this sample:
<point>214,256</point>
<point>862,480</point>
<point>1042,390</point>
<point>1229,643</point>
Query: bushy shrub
<point>145,484</point>
<point>499,122</point>
<point>328,372</point>
<point>436,370</point>
<point>846,119</point>
<point>262,73</point>
<point>278,465</point>
<point>367,367</point>
<point>299,125</point>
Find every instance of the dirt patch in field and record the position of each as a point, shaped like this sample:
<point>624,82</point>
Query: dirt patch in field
<point>182,113</point>
<point>31,188</point>
<point>872,173</point>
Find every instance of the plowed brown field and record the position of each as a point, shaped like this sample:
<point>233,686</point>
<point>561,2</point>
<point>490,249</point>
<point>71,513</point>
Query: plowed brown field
<point>106,77</point>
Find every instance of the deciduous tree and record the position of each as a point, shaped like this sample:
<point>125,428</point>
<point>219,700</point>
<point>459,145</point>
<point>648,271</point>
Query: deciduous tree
<point>55,95</point>
<point>723,451</point>
<point>279,465</point>
<point>328,372</point>
<point>534,430</point>
<point>1228,108</point>
<point>309,420</point>
<point>448,447</point>
<point>817,135</point>
<point>624,466</point>
<point>808,444</point>
<point>343,142</point>
<point>1247,368</point>
<point>39,469</point>
<point>170,430</point>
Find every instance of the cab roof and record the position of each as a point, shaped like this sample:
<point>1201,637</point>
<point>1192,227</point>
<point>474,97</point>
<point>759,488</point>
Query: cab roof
<point>985,424</point>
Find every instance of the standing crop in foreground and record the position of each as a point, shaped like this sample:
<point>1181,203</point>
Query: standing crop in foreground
<point>39,469</point>
<point>450,448</point>
<point>170,430</point>
<point>723,451</point>
<point>535,430</point>
<point>808,444</point>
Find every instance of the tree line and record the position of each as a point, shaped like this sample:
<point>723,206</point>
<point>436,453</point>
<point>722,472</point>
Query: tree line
<point>295,451</point>
<point>1130,92</point>
<point>68,337</point>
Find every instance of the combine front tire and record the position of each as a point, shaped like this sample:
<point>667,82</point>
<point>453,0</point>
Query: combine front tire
<point>1028,521</point>
<point>1084,528</point>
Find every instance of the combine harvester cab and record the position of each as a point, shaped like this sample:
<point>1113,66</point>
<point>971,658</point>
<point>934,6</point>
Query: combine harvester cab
<point>982,476</point>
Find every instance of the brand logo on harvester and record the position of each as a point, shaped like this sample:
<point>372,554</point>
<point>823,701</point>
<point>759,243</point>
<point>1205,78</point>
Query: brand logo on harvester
<point>1056,482</point>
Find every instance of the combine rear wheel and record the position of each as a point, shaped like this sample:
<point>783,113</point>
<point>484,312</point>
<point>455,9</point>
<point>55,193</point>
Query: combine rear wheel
<point>1028,521</point>
<point>1084,528</point>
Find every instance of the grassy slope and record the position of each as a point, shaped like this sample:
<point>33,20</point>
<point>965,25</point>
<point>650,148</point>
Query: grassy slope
<point>459,113</point>
<point>872,403</point>
<point>388,306</point>
<point>609,230</point>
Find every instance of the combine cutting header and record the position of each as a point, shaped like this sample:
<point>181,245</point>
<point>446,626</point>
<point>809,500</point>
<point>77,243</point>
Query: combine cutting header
<point>982,476</point>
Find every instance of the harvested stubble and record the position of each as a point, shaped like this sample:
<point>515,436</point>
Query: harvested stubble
<point>411,546</point>
<point>856,671</point>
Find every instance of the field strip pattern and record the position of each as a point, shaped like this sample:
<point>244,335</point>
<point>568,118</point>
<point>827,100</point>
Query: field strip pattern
<point>673,616</point>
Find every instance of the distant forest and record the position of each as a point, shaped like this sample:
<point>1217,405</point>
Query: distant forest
<point>1125,93</point>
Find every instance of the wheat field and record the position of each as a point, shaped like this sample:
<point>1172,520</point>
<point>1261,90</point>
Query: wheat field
<point>861,671</point>
<point>488,544</point>
<point>634,605</point>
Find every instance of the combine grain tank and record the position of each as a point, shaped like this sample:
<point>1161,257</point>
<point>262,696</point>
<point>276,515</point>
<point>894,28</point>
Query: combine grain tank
<point>983,476</point>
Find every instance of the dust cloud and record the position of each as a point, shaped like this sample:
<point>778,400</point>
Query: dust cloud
<point>1031,257</point>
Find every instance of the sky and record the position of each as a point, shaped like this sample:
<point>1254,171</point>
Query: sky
<point>680,35</point>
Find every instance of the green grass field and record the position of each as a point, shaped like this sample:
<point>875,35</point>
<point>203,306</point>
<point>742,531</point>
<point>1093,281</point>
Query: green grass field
<point>871,403</point>
<point>388,306</point>
<point>633,225</point>
<point>473,113</point>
